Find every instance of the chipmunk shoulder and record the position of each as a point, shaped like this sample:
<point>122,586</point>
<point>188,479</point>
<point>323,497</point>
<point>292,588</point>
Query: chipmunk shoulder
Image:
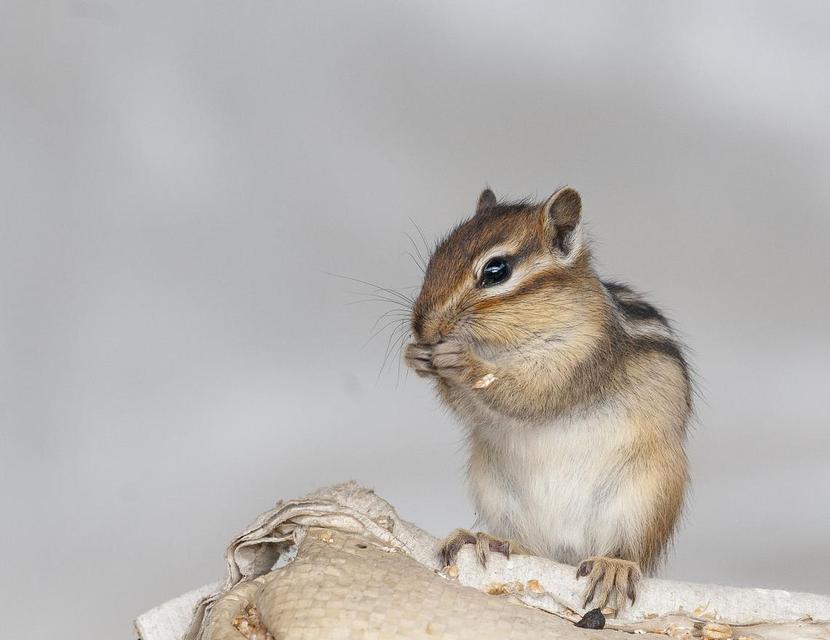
<point>574,393</point>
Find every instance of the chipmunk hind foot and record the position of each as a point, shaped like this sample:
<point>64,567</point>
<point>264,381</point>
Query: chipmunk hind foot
<point>611,582</point>
<point>485,544</point>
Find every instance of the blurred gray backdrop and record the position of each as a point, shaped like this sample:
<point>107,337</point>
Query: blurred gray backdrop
<point>178,179</point>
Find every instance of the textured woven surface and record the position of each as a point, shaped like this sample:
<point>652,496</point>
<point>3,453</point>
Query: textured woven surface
<point>229,607</point>
<point>342,586</point>
<point>362,572</point>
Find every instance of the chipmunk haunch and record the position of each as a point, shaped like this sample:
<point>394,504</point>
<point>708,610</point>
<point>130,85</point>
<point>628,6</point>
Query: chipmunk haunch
<point>574,393</point>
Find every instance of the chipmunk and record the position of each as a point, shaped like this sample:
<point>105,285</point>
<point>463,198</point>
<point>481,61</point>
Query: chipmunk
<point>574,392</point>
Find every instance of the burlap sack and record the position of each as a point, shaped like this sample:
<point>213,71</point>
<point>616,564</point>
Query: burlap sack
<point>348,567</point>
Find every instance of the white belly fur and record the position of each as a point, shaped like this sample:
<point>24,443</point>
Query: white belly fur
<point>564,489</point>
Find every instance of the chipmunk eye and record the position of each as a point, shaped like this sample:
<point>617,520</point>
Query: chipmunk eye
<point>496,270</point>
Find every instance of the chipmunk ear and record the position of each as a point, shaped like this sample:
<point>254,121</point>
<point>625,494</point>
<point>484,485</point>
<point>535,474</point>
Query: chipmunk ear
<point>561,214</point>
<point>486,200</point>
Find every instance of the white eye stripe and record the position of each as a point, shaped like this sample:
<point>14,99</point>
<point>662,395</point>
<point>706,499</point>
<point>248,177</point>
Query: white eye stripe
<point>520,273</point>
<point>500,251</point>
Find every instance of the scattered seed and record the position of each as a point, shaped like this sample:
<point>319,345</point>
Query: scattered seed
<point>484,382</point>
<point>592,620</point>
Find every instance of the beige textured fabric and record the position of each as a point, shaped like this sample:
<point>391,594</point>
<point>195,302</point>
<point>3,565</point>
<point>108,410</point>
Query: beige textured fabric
<point>343,586</point>
<point>394,588</point>
<point>230,606</point>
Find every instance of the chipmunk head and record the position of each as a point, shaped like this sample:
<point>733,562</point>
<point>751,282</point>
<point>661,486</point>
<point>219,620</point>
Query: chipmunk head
<point>510,272</point>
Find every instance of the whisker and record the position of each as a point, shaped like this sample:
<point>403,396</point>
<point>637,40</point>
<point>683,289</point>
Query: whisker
<point>423,238</point>
<point>417,250</point>
<point>404,337</point>
<point>400,332</point>
<point>397,321</point>
<point>401,316</point>
<point>379,298</point>
<point>417,264</point>
<point>394,292</point>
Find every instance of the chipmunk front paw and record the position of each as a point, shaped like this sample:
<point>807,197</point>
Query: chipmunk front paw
<point>484,542</point>
<point>419,358</point>
<point>452,361</point>
<point>610,581</point>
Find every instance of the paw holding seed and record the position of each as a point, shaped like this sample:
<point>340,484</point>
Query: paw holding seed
<point>451,361</point>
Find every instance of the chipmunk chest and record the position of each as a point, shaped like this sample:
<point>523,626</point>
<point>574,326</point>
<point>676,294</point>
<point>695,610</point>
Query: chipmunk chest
<point>559,488</point>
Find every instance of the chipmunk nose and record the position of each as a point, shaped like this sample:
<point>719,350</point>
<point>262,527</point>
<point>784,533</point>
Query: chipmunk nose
<point>426,325</point>
<point>433,319</point>
<point>429,328</point>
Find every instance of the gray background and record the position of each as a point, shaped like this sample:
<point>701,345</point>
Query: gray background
<point>176,180</point>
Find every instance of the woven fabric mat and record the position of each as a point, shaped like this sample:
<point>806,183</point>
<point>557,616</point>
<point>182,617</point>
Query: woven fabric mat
<point>341,563</point>
<point>344,586</point>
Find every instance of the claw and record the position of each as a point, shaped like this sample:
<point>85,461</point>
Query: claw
<point>484,544</point>
<point>584,568</point>
<point>453,544</point>
<point>609,580</point>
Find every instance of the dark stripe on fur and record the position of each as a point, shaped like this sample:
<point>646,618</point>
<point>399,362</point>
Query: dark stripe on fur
<point>666,347</point>
<point>641,311</point>
<point>637,309</point>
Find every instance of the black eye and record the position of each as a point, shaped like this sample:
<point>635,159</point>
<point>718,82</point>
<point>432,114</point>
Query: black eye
<point>496,270</point>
